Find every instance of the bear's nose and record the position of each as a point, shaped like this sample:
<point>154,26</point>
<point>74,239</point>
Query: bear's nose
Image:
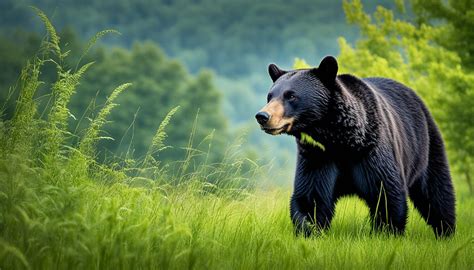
<point>262,117</point>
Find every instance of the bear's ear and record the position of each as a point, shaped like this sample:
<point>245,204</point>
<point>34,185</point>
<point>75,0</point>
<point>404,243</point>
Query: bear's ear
<point>275,72</point>
<point>327,69</point>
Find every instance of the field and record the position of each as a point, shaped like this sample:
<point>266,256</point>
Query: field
<point>89,225</point>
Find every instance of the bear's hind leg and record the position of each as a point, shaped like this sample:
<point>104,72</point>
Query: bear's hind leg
<point>433,193</point>
<point>433,197</point>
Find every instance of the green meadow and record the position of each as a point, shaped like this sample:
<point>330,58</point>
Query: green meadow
<point>66,203</point>
<point>62,217</point>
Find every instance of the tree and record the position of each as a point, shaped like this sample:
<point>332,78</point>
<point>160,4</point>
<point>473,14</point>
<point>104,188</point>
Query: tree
<point>234,38</point>
<point>455,32</point>
<point>158,85</point>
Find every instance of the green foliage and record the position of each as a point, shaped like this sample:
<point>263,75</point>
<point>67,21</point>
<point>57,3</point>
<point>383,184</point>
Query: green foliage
<point>158,141</point>
<point>87,144</point>
<point>25,109</point>
<point>94,40</point>
<point>455,31</point>
<point>63,89</point>
<point>53,36</point>
<point>306,139</point>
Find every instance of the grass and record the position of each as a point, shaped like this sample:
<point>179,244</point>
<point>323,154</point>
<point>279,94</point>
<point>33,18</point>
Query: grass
<point>59,208</point>
<point>117,226</point>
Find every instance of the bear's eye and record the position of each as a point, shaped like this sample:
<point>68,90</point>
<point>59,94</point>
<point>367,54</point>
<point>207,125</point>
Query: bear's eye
<point>290,95</point>
<point>269,97</point>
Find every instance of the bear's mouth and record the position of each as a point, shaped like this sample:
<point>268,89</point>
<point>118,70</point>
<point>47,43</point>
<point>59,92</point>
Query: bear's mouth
<point>277,131</point>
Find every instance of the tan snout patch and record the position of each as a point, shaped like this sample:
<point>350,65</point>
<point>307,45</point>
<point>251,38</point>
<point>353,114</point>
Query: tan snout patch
<point>277,123</point>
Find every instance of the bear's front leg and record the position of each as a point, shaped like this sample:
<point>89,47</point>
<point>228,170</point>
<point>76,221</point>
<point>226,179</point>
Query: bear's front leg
<point>312,203</point>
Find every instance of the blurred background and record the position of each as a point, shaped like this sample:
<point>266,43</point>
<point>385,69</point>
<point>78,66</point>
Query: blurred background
<point>210,57</point>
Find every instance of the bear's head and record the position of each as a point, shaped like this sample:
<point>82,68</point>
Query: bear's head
<point>298,99</point>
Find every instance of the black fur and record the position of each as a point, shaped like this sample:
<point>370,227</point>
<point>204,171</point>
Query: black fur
<point>381,144</point>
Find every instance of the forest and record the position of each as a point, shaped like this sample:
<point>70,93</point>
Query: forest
<point>128,137</point>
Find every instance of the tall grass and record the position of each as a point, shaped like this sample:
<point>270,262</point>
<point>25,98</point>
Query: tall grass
<point>18,139</point>
<point>59,208</point>
<point>87,144</point>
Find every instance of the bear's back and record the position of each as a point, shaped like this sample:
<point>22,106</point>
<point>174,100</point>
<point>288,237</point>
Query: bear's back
<point>396,93</point>
<point>404,102</point>
<point>410,113</point>
<point>394,96</point>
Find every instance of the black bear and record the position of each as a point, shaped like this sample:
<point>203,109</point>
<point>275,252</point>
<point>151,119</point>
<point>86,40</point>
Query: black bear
<point>372,137</point>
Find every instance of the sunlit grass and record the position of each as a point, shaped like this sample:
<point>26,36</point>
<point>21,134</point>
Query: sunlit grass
<point>118,226</point>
